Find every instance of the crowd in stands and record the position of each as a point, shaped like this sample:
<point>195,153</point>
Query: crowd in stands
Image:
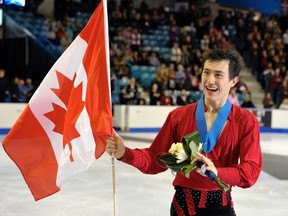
<point>16,90</point>
<point>172,42</point>
<point>250,32</point>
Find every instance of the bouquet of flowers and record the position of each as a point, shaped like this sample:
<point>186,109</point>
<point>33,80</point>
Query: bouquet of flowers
<point>182,154</point>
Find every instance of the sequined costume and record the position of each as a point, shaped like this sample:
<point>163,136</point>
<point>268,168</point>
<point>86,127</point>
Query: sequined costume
<point>236,155</point>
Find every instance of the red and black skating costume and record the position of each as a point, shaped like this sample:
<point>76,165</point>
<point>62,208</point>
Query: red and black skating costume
<point>236,155</point>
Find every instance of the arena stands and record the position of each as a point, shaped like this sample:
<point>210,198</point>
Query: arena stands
<point>142,40</point>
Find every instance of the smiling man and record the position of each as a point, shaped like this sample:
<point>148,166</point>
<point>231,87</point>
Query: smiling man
<point>230,137</point>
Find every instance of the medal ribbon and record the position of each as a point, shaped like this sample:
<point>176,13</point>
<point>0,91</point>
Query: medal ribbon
<point>210,139</point>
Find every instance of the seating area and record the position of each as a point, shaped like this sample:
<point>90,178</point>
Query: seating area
<point>35,25</point>
<point>161,30</point>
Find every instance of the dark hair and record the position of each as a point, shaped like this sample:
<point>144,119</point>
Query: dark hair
<point>234,58</point>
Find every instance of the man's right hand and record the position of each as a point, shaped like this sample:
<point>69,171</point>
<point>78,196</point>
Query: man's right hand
<point>115,145</point>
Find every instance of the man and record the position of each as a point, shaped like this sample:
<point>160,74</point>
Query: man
<point>3,85</point>
<point>230,135</point>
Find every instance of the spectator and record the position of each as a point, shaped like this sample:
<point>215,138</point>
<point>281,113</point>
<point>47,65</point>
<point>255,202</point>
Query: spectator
<point>197,71</point>
<point>59,32</point>
<point>263,65</point>
<point>118,61</point>
<point>224,43</point>
<point>283,93</point>
<point>127,34</point>
<point>113,80</point>
<point>123,96</point>
<point>180,77</point>
<point>166,99</point>
<point>241,87</point>
<point>188,80</point>
<point>162,75</point>
<point>65,41</point>
<point>176,53</point>
<point>174,35</point>
<point>155,94</point>
<point>146,23</point>
<point>284,104</point>
<point>50,31</point>
<point>188,43</point>
<point>29,88</point>
<point>267,74</point>
<point>136,58</point>
<point>205,42</point>
<point>14,91</point>
<point>132,90</point>
<point>285,40</point>
<point>225,31</point>
<point>247,103</point>
<point>128,55</point>
<point>275,83</point>
<point>182,98</point>
<point>268,102</point>
<point>197,58</point>
<point>186,57</point>
<point>174,96</point>
<point>22,88</point>
<point>70,29</point>
<point>171,76</point>
<point>144,60</point>
<point>136,39</point>
<point>233,97</point>
<point>141,99</point>
<point>119,40</point>
<point>154,59</point>
<point>4,83</point>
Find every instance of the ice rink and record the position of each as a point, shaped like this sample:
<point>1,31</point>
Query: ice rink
<point>90,192</point>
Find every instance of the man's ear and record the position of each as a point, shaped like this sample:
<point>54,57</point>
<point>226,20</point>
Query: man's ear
<point>234,81</point>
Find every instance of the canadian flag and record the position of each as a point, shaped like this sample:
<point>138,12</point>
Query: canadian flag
<point>63,128</point>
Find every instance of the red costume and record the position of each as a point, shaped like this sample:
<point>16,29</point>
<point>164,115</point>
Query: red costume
<point>236,155</point>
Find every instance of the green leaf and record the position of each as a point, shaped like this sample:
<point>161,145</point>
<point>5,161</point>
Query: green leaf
<point>171,162</point>
<point>186,140</point>
<point>184,167</point>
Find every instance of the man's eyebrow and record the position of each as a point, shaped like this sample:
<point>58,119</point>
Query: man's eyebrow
<point>216,71</point>
<point>219,71</point>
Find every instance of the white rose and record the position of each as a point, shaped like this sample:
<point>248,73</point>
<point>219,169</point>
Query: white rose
<point>178,151</point>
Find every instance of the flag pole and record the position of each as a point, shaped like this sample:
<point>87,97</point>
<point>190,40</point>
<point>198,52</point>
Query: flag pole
<point>114,184</point>
<point>108,70</point>
<point>106,32</point>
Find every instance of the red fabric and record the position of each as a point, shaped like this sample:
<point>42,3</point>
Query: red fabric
<point>97,73</point>
<point>190,201</point>
<point>202,202</point>
<point>178,208</point>
<point>224,199</point>
<point>22,145</point>
<point>70,110</point>
<point>240,139</point>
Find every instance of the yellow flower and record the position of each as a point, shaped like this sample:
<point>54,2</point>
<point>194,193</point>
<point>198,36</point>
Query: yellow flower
<point>177,150</point>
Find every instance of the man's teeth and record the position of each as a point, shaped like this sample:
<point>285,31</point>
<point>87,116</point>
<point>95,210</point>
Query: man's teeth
<point>211,89</point>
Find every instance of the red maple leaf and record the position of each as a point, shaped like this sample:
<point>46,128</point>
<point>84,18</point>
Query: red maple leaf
<point>65,119</point>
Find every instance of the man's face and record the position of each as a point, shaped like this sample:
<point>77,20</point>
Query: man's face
<point>216,82</point>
